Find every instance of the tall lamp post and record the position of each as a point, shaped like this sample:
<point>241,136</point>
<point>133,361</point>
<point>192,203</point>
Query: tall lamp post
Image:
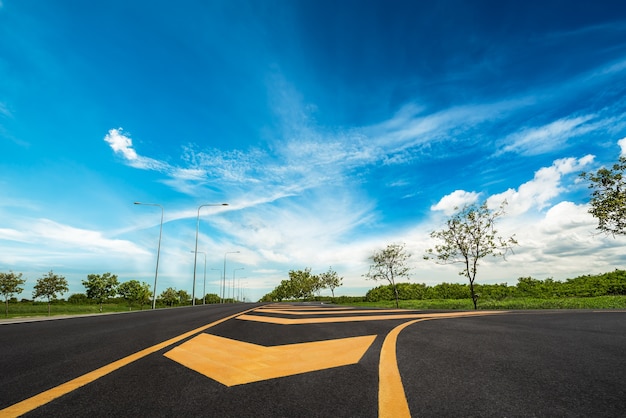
<point>195,257</point>
<point>234,270</point>
<point>156,272</point>
<point>204,287</point>
<point>224,276</point>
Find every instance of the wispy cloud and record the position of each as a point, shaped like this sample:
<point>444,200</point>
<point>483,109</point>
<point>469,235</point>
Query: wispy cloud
<point>412,128</point>
<point>4,110</point>
<point>51,233</point>
<point>542,139</point>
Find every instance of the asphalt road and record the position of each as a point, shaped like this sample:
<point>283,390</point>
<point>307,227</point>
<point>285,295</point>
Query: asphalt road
<point>316,361</point>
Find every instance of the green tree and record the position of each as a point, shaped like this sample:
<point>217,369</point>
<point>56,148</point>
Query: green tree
<point>134,292</point>
<point>468,237</point>
<point>212,298</point>
<point>302,284</point>
<point>608,199</point>
<point>10,284</point>
<point>48,286</point>
<point>330,280</point>
<point>101,287</point>
<point>184,298</point>
<point>389,264</point>
<point>78,299</point>
<point>169,296</point>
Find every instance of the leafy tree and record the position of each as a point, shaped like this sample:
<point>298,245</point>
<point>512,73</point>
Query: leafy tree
<point>384,292</point>
<point>10,284</point>
<point>608,199</point>
<point>389,264</point>
<point>302,284</point>
<point>78,299</point>
<point>183,297</point>
<point>449,291</point>
<point>48,286</point>
<point>468,237</point>
<point>134,292</point>
<point>101,287</point>
<point>212,298</point>
<point>169,296</point>
<point>330,280</point>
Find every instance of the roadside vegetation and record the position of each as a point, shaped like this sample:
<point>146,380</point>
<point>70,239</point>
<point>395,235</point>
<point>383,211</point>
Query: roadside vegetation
<point>103,293</point>
<point>79,304</point>
<point>602,291</point>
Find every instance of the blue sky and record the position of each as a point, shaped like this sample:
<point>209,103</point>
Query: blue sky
<point>332,128</point>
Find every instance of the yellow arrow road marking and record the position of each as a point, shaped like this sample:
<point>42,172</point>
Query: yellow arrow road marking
<point>233,362</point>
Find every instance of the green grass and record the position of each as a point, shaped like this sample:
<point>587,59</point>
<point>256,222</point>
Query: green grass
<point>22,309</point>
<point>30,309</point>
<point>598,302</point>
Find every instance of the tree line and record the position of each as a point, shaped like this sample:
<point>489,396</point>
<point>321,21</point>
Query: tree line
<point>302,284</point>
<point>606,284</point>
<point>99,288</point>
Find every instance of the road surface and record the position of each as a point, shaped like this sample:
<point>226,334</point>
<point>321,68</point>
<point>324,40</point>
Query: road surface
<point>282,360</point>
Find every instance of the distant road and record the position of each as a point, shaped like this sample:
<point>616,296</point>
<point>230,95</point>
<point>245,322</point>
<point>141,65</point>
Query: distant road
<point>305,360</point>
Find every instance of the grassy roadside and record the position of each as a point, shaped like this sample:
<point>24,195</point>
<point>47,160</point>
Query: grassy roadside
<point>598,302</point>
<point>24,310</point>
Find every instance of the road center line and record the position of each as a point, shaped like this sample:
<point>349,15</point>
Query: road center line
<point>49,395</point>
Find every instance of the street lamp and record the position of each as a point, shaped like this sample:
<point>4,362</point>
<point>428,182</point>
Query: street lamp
<point>204,287</point>
<point>234,270</point>
<point>195,257</point>
<point>223,290</point>
<point>156,272</point>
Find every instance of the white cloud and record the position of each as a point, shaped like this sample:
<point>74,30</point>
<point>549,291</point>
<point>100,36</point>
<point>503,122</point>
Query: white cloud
<point>455,200</point>
<point>122,144</point>
<point>411,128</point>
<point>622,147</point>
<point>46,232</point>
<point>539,140</point>
<point>537,193</point>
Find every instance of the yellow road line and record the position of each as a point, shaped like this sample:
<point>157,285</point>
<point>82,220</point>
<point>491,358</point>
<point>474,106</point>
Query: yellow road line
<point>328,312</point>
<point>301,308</point>
<point>43,398</point>
<point>392,402</point>
<point>291,321</point>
